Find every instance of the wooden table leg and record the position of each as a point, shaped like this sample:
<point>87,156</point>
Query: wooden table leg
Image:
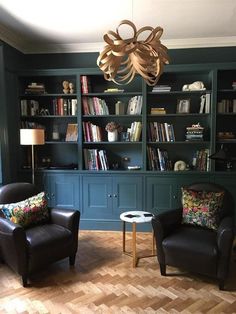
<point>134,244</point>
<point>123,236</point>
<point>153,243</point>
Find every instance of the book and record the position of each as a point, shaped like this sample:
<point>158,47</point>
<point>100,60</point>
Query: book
<point>72,132</point>
<point>120,108</point>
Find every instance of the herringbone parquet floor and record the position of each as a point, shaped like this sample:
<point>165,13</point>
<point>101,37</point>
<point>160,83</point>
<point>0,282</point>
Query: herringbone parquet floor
<point>103,281</point>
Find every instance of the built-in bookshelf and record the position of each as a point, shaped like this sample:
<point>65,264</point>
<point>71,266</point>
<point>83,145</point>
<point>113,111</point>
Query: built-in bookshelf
<point>44,103</point>
<point>157,126</point>
<point>226,115</point>
<point>105,104</point>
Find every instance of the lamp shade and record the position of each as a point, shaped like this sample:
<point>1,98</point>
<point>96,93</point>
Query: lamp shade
<point>32,137</point>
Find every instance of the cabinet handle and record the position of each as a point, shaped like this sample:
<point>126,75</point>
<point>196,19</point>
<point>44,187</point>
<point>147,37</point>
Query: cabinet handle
<point>175,197</point>
<point>115,195</point>
<point>109,195</point>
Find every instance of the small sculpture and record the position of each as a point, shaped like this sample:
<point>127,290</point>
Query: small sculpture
<point>66,88</point>
<point>198,85</point>
<point>180,165</point>
<point>71,88</point>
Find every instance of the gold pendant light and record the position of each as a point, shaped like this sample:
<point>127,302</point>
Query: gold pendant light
<point>121,58</point>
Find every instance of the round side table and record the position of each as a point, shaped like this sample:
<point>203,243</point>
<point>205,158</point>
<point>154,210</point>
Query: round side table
<point>135,217</point>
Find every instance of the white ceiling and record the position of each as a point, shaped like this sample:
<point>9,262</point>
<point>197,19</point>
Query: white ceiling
<point>48,26</point>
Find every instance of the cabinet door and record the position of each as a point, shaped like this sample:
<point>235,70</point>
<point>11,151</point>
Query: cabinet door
<point>161,194</point>
<point>64,191</point>
<point>97,197</point>
<point>127,194</point>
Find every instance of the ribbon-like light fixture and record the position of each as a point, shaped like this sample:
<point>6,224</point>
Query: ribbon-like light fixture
<point>121,58</point>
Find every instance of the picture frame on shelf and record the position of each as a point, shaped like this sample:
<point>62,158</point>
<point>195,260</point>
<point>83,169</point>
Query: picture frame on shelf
<point>183,105</point>
<point>72,132</point>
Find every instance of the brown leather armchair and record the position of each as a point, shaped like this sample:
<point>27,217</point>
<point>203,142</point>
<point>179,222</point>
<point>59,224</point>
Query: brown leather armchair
<point>193,248</point>
<point>27,250</point>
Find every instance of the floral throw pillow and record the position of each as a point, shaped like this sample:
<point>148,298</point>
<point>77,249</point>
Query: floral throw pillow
<point>29,212</point>
<point>201,208</point>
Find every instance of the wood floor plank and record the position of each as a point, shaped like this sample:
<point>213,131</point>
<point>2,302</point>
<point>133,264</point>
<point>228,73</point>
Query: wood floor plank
<point>103,281</point>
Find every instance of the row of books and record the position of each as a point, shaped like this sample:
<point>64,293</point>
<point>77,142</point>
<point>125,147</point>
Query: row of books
<point>158,159</point>
<point>205,103</point>
<point>64,107</point>
<point>60,107</point>
<point>94,106</point>
<point>226,106</point>
<point>200,160</point>
<point>92,132</point>
<point>135,105</point>
<point>135,131</point>
<point>95,159</point>
<point>161,132</point>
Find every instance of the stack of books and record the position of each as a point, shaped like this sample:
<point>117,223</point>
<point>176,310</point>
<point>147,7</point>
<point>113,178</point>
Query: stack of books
<point>161,88</point>
<point>194,133</point>
<point>158,111</point>
<point>35,88</point>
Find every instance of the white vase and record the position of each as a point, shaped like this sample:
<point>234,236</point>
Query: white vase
<point>112,136</point>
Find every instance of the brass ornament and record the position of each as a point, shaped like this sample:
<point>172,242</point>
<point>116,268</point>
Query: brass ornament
<point>121,58</point>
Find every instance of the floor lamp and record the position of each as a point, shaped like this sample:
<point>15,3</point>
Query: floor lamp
<point>32,137</point>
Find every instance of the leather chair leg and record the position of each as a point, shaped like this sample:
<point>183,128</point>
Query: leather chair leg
<point>221,284</point>
<point>163,269</point>
<point>24,281</point>
<point>72,259</point>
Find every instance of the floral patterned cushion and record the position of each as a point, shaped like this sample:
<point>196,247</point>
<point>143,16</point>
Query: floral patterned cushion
<point>201,207</point>
<point>29,212</point>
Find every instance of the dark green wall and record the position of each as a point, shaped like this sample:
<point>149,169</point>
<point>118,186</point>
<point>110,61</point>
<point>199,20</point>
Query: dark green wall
<point>88,60</point>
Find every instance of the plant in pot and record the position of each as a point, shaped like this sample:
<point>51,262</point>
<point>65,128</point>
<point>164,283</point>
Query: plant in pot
<point>113,128</point>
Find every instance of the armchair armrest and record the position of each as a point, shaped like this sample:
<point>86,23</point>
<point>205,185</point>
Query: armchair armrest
<point>225,234</point>
<point>13,245</point>
<point>67,218</point>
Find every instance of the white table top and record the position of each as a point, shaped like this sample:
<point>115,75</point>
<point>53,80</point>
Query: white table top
<point>136,216</point>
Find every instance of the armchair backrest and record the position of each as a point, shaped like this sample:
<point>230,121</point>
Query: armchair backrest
<point>16,192</point>
<point>228,202</point>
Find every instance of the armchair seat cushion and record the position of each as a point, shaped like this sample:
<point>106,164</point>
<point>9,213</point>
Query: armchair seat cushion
<point>47,241</point>
<point>193,248</point>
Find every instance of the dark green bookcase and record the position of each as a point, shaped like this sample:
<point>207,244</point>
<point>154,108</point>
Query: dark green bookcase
<point>118,188</point>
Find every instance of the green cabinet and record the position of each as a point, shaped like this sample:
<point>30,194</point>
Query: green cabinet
<point>62,190</point>
<point>106,197</point>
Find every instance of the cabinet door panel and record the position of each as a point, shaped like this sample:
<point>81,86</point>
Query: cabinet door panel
<point>65,191</point>
<point>161,194</point>
<point>127,194</point>
<point>97,197</point>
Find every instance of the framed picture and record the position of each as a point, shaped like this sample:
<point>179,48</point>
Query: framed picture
<point>72,132</point>
<point>183,106</point>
